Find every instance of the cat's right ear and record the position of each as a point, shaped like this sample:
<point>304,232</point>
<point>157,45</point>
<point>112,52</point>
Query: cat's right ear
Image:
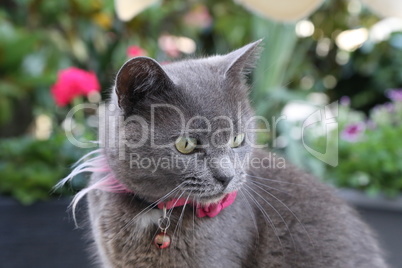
<point>242,61</point>
<point>138,78</point>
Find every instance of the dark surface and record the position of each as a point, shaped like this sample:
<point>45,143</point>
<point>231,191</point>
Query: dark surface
<point>388,225</point>
<point>43,235</point>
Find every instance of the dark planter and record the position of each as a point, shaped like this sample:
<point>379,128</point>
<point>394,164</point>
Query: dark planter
<point>42,235</point>
<point>384,215</point>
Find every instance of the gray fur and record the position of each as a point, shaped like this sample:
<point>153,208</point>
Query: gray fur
<point>301,223</point>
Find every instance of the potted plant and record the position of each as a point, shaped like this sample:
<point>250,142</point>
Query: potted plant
<point>369,172</point>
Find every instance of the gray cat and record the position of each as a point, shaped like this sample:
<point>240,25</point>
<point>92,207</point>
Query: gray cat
<point>179,181</point>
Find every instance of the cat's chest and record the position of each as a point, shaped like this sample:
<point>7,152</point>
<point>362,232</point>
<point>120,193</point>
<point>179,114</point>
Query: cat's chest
<point>195,242</point>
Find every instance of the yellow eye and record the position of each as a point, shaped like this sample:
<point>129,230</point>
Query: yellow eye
<point>236,141</point>
<point>185,145</point>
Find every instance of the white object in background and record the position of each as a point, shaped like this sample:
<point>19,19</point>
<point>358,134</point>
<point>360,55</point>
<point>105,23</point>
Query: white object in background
<point>350,40</point>
<point>383,29</point>
<point>128,9</point>
<point>283,10</point>
<point>385,8</point>
<point>173,45</point>
<point>296,111</point>
<point>304,28</point>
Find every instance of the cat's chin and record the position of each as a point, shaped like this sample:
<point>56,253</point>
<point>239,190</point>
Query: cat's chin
<point>207,200</point>
<point>216,198</point>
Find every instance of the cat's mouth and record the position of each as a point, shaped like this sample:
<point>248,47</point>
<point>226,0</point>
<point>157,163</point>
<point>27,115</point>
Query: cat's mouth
<point>206,194</point>
<point>199,201</point>
<point>206,200</point>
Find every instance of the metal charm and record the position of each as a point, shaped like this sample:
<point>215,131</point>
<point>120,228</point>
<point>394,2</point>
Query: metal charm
<point>162,240</point>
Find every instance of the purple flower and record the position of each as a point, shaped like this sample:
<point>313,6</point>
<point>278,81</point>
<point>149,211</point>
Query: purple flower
<point>395,94</point>
<point>387,107</point>
<point>345,101</point>
<point>353,132</point>
<point>390,107</point>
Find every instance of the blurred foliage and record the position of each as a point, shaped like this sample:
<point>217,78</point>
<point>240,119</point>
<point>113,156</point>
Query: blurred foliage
<point>38,38</point>
<point>370,158</point>
<point>364,74</point>
<point>30,167</point>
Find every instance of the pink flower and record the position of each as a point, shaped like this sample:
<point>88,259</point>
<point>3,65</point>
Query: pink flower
<point>388,107</point>
<point>135,51</point>
<point>345,101</point>
<point>353,132</point>
<point>395,94</point>
<point>198,17</point>
<point>169,44</point>
<point>73,82</point>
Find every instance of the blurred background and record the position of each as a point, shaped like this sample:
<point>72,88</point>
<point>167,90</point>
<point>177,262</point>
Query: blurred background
<point>57,54</point>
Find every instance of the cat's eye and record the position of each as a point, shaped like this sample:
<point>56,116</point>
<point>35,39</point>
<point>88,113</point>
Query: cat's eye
<point>237,140</point>
<point>185,145</point>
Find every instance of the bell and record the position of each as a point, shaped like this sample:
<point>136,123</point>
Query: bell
<point>162,240</point>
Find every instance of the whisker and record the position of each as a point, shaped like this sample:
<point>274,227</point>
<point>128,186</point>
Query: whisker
<point>153,238</point>
<point>154,204</point>
<point>277,212</point>
<point>194,208</point>
<point>252,214</point>
<point>181,216</point>
<point>266,216</point>
<point>270,187</point>
<point>294,215</point>
<point>174,205</point>
<point>142,212</point>
<point>150,207</point>
<point>285,182</point>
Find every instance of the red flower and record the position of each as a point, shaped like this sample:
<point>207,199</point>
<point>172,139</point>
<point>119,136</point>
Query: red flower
<point>73,82</point>
<point>135,51</point>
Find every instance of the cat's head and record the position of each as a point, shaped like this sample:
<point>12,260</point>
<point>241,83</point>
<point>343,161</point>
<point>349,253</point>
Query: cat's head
<point>185,123</point>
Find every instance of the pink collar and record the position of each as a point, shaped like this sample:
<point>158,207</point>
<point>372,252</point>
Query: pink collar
<point>110,184</point>
<point>210,210</point>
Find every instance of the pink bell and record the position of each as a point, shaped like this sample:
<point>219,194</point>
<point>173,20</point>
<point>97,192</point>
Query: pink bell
<point>162,240</point>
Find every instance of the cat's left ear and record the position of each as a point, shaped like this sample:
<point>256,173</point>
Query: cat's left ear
<point>242,60</point>
<point>138,78</point>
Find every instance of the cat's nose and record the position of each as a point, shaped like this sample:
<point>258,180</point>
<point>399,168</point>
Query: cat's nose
<point>224,179</point>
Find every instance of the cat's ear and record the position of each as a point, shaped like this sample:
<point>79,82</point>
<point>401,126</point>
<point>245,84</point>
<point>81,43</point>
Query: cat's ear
<point>242,60</point>
<point>137,78</point>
